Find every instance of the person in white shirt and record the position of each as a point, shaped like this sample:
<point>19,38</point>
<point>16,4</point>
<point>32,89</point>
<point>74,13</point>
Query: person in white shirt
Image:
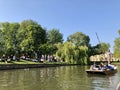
<point>109,56</point>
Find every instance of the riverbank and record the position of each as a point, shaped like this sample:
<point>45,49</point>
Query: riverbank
<point>22,64</point>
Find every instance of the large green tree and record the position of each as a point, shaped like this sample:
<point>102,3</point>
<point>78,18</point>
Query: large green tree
<point>70,54</point>
<point>81,44</point>
<point>104,47</point>
<point>9,40</point>
<point>31,35</point>
<point>98,49</point>
<point>79,39</point>
<point>54,36</point>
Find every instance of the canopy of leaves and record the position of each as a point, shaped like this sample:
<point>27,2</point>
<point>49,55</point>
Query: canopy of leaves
<point>117,46</point>
<point>32,35</point>
<point>26,36</point>
<point>79,39</point>
<point>72,54</point>
<point>54,36</point>
<point>104,47</point>
<point>8,37</point>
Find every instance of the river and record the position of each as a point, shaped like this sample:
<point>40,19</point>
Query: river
<point>56,78</point>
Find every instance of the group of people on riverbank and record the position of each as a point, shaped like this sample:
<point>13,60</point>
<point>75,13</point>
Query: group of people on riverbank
<point>40,58</point>
<point>44,58</point>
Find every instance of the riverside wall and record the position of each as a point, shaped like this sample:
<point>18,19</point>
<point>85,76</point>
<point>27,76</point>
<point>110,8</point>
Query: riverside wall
<point>23,66</point>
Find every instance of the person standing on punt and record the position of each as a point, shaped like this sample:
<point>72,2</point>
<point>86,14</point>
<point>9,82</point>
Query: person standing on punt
<point>109,56</point>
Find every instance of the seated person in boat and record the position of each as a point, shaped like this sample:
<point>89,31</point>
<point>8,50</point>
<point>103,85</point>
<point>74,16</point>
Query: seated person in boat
<point>94,67</point>
<point>102,66</point>
<point>107,67</point>
<point>110,67</point>
<point>98,67</point>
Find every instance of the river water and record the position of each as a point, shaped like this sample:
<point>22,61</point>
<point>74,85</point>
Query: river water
<point>56,78</point>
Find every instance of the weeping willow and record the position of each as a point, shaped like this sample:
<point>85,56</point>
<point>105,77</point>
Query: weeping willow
<point>72,54</point>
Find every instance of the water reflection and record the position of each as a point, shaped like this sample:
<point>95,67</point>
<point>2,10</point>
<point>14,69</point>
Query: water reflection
<point>56,78</point>
<point>102,82</point>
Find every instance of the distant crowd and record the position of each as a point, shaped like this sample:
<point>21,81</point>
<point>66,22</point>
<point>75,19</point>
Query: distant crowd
<point>40,58</point>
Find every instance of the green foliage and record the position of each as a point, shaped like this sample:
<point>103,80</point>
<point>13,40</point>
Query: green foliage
<point>72,54</point>
<point>47,49</point>
<point>79,39</point>
<point>9,38</point>
<point>98,49</point>
<point>32,35</point>
<point>26,36</point>
<point>68,52</point>
<point>29,37</point>
<point>59,52</point>
<point>83,55</point>
<point>119,32</point>
<point>117,48</point>
<point>54,36</point>
<point>104,47</point>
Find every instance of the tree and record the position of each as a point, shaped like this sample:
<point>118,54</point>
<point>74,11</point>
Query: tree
<point>5,27</point>
<point>60,49</point>
<point>9,36</point>
<point>98,49</point>
<point>79,39</point>
<point>54,36</point>
<point>47,48</point>
<point>72,54</point>
<point>83,55</point>
<point>119,32</point>
<point>117,46</point>
<point>31,35</point>
<point>104,47</point>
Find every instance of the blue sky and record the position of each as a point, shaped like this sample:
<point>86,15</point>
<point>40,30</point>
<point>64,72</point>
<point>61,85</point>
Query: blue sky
<point>69,16</point>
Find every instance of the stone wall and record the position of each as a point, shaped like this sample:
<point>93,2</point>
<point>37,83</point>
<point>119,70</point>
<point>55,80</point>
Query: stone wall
<point>23,66</point>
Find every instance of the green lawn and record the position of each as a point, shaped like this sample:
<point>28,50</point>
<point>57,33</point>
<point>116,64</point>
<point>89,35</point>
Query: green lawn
<point>29,62</point>
<point>19,62</point>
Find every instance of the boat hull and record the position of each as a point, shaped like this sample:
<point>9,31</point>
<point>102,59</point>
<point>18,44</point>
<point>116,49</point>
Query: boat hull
<point>104,72</point>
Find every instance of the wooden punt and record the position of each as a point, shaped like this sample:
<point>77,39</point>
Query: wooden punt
<point>104,72</point>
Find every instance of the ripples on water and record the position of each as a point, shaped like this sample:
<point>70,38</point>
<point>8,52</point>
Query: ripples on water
<point>56,78</point>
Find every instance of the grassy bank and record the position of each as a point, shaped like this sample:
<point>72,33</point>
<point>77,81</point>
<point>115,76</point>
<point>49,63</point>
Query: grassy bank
<point>116,63</point>
<point>30,62</point>
<point>22,64</point>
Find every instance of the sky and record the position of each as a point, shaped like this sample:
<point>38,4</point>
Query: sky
<point>69,16</point>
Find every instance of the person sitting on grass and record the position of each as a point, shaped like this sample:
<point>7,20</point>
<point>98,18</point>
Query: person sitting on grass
<point>4,59</point>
